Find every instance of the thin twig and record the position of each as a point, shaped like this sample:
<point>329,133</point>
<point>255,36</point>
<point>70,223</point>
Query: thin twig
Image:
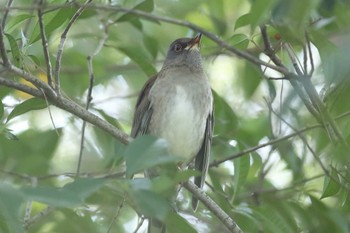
<point>38,216</point>
<point>140,223</point>
<point>45,44</point>
<point>5,60</point>
<point>89,94</point>
<point>6,12</point>
<point>293,59</point>
<point>115,217</point>
<point>50,113</point>
<point>229,223</point>
<point>62,42</point>
<point>29,205</point>
<point>305,54</point>
<point>88,101</point>
<point>271,142</point>
<point>331,127</point>
<point>308,43</point>
<point>316,157</point>
<point>269,51</point>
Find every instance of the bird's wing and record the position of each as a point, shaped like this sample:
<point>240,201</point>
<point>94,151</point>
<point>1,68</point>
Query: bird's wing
<point>202,158</point>
<point>143,110</point>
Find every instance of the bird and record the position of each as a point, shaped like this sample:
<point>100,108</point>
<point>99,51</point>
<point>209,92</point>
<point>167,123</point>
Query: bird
<point>176,104</point>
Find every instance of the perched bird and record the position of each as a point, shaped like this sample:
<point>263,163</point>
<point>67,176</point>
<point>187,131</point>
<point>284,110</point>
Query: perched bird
<point>177,104</point>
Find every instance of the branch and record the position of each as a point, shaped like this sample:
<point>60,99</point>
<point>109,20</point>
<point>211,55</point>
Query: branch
<point>5,60</point>
<point>89,95</point>
<point>6,12</point>
<point>66,104</point>
<point>62,42</point>
<point>323,115</point>
<point>215,163</point>
<point>230,224</point>
<point>271,53</point>
<point>45,44</point>
<point>152,17</point>
<point>38,216</point>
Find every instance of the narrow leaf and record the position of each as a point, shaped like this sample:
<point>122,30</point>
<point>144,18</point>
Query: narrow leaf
<point>26,106</point>
<point>243,20</point>
<point>331,185</point>
<point>239,41</point>
<point>241,169</point>
<point>11,200</point>
<point>62,16</point>
<point>139,58</point>
<point>14,49</point>
<point>151,204</point>
<point>145,152</point>
<point>16,20</point>
<point>146,5</point>
<point>176,224</point>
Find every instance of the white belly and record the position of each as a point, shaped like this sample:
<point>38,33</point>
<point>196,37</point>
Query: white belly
<point>181,126</point>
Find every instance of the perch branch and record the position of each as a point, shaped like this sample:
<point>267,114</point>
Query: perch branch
<point>230,224</point>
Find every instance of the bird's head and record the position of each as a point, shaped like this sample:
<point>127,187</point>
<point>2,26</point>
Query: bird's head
<point>184,51</point>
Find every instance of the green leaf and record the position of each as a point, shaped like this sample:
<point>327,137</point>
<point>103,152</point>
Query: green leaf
<point>243,20</point>
<point>14,49</point>
<point>146,5</point>
<point>216,11</point>
<point>145,152</point>
<point>26,106</point>
<point>241,171</point>
<point>137,55</point>
<point>16,20</point>
<point>112,120</point>
<point>151,44</point>
<point>226,119</point>
<point>9,135</point>
<point>239,41</point>
<point>250,79</point>
<point>11,200</point>
<point>61,17</point>
<point>84,187</point>
<point>1,109</point>
<point>52,196</point>
<point>151,204</point>
<point>88,13</point>
<point>260,12</point>
<point>72,194</point>
<point>176,224</point>
<point>331,185</point>
<point>35,59</point>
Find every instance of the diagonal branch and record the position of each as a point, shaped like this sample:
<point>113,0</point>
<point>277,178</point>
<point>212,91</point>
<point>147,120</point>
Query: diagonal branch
<point>229,223</point>
<point>215,163</point>
<point>6,12</point>
<point>45,44</point>
<point>65,104</point>
<point>62,42</point>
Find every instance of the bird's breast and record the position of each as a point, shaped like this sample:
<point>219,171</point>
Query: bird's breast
<point>179,116</point>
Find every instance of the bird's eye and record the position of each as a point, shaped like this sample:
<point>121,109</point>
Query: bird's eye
<point>177,48</point>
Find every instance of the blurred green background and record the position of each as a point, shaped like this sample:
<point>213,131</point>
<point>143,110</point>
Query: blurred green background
<point>296,184</point>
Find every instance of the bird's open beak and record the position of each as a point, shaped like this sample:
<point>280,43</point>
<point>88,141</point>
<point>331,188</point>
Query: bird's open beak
<point>195,42</point>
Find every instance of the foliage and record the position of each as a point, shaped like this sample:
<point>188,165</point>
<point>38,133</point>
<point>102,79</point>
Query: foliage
<point>280,156</point>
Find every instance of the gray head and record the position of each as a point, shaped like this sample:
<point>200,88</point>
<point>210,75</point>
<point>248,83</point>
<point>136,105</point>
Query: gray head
<point>184,51</point>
